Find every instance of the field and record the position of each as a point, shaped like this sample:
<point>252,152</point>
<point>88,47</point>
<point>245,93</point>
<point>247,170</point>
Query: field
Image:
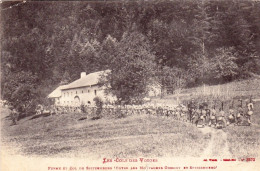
<point>238,142</point>
<point>78,135</point>
<point>69,136</point>
<point>74,135</point>
<point>245,141</point>
<point>234,90</point>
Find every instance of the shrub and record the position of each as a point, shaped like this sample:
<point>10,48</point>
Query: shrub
<point>99,104</point>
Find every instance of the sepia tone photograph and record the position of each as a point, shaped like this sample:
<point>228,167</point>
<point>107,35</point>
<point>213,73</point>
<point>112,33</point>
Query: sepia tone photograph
<point>130,85</point>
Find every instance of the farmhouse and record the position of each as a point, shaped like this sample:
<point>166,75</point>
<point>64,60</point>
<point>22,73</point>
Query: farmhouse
<point>85,89</point>
<point>56,95</point>
<point>81,91</point>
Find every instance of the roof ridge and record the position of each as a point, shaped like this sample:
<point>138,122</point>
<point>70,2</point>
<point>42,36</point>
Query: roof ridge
<point>88,80</point>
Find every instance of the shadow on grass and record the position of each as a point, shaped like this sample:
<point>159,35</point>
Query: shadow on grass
<point>43,150</point>
<point>96,118</point>
<point>8,117</point>
<point>41,115</point>
<point>83,118</point>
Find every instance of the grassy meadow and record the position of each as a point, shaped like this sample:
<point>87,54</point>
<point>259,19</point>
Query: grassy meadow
<point>69,135</point>
<point>77,135</point>
<point>244,141</point>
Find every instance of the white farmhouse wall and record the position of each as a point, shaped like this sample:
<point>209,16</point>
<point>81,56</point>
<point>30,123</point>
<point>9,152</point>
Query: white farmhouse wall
<point>85,89</point>
<point>69,97</point>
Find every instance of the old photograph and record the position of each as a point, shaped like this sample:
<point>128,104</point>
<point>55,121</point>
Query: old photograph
<point>130,85</point>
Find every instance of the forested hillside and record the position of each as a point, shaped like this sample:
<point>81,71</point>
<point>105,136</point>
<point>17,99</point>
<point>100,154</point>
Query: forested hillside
<point>179,43</point>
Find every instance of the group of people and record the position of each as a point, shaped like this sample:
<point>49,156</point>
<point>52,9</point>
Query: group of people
<point>203,115</point>
<point>200,114</point>
<point>41,109</point>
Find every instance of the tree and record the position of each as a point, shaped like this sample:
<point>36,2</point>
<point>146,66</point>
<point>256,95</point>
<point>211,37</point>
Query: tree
<point>20,90</point>
<point>172,79</point>
<point>108,52</point>
<point>83,36</point>
<point>99,104</point>
<point>200,68</point>
<point>201,28</point>
<point>224,64</point>
<point>243,26</point>
<point>131,69</point>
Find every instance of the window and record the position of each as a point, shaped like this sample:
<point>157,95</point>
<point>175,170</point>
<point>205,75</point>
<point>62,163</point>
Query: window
<point>76,92</point>
<point>88,91</point>
<point>95,91</point>
<point>82,91</point>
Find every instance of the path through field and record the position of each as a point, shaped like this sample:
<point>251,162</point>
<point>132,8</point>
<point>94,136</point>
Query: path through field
<point>68,135</point>
<point>218,146</point>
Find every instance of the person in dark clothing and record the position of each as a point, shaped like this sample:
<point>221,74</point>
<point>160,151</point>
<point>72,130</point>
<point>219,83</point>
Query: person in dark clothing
<point>191,109</point>
<point>240,113</point>
<point>13,115</point>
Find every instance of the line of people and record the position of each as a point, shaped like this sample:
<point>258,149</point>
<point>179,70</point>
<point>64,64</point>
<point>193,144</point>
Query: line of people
<point>203,115</point>
<point>199,114</point>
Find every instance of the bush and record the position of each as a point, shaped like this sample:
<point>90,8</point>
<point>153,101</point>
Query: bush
<point>99,104</point>
<point>23,99</point>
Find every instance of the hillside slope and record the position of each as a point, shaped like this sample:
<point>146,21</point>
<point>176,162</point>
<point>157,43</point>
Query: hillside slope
<point>68,135</point>
<point>224,92</point>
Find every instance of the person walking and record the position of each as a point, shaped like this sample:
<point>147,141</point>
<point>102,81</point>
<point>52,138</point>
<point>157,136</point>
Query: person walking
<point>13,115</point>
<point>191,109</point>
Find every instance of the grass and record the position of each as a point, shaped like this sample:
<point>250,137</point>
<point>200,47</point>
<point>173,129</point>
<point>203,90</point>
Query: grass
<point>69,135</point>
<point>223,92</point>
<point>134,136</point>
<point>236,88</point>
<point>244,141</point>
<point>77,135</point>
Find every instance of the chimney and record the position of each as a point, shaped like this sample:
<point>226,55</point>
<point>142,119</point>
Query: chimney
<point>82,74</point>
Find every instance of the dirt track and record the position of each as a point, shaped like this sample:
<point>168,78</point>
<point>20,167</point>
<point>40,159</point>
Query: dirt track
<point>218,146</point>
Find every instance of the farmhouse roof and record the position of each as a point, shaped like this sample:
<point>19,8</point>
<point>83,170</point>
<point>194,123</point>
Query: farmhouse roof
<point>56,92</point>
<point>86,80</point>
